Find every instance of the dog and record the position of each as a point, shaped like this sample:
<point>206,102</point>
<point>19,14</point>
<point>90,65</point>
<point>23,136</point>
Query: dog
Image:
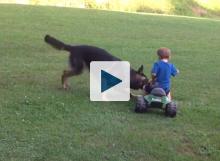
<point>84,54</point>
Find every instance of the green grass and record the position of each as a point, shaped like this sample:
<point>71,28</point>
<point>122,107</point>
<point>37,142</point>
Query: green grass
<point>38,121</point>
<point>198,8</point>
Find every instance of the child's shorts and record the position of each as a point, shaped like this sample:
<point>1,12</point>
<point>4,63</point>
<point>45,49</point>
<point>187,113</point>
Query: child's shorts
<point>148,88</point>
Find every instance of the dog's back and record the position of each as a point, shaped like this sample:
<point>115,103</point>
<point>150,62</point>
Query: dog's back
<point>91,53</point>
<point>83,53</point>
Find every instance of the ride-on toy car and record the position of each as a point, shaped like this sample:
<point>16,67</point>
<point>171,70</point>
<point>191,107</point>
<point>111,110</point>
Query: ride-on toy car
<point>156,99</point>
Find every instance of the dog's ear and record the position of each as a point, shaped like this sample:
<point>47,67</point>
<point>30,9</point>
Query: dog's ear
<point>141,69</point>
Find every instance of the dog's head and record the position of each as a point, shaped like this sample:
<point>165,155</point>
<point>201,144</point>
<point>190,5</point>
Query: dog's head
<point>138,78</point>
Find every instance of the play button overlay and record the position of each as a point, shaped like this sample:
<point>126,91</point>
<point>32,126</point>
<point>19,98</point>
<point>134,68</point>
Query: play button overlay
<point>109,81</point>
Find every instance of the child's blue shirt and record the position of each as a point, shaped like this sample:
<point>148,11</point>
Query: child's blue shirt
<point>163,72</point>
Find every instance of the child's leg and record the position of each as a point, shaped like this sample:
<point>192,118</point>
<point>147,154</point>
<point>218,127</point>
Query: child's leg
<point>169,96</point>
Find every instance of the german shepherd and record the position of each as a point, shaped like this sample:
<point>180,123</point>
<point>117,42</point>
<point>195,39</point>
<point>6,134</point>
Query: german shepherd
<point>84,54</point>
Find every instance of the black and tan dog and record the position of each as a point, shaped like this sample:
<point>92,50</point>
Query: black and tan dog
<point>84,54</point>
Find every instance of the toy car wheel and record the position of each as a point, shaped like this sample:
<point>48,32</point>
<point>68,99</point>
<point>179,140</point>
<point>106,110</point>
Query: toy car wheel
<point>141,105</point>
<point>171,109</point>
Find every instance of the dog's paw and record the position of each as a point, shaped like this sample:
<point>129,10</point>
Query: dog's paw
<point>66,87</point>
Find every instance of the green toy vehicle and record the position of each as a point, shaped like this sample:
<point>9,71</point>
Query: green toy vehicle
<point>156,99</point>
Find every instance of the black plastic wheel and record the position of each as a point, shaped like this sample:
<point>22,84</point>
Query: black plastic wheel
<point>141,105</point>
<point>171,109</point>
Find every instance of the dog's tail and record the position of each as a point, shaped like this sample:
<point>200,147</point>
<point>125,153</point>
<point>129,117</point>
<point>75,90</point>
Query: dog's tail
<point>56,43</point>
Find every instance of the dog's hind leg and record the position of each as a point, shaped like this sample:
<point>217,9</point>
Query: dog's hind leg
<point>76,67</point>
<point>66,74</point>
<point>64,78</point>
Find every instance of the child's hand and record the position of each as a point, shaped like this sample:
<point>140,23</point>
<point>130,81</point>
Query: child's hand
<point>150,82</point>
<point>178,71</point>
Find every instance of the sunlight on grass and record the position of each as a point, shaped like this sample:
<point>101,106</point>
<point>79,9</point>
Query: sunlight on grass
<point>209,4</point>
<point>162,5</point>
<point>152,6</point>
<point>138,5</point>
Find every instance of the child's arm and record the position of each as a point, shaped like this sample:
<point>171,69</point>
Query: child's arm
<point>154,72</point>
<point>153,77</point>
<point>174,71</point>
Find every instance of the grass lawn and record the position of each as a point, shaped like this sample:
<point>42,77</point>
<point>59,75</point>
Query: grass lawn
<point>40,122</point>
